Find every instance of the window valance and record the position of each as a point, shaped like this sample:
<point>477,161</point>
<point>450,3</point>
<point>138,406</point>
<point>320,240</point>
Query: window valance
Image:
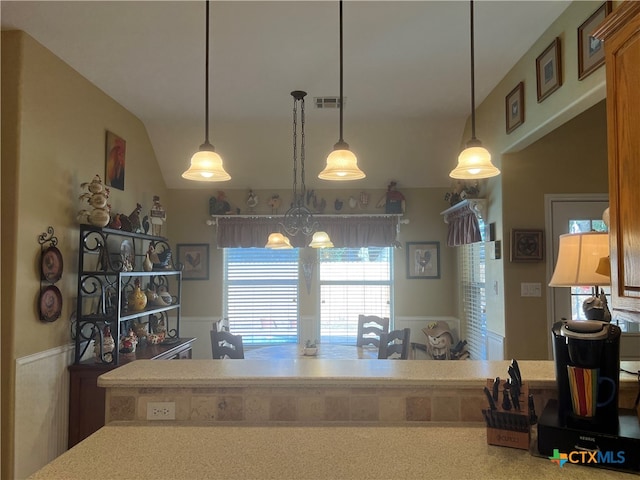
<point>462,219</point>
<point>354,231</point>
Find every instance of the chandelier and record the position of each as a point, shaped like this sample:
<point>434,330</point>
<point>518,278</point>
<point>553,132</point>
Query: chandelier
<point>298,219</point>
<point>206,164</point>
<point>474,162</point>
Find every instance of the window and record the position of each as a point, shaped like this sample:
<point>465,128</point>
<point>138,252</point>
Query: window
<point>471,258</point>
<point>261,294</point>
<point>353,281</point>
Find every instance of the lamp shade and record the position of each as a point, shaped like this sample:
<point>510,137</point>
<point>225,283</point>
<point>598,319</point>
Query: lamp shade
<point>579,256</point>
<point>474,162</point>
<point>321,240</point>
<point>206,166</point>
<point>342,164</point>
<point>277,241</point>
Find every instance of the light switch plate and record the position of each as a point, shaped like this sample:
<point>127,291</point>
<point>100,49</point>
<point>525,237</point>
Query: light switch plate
<point>530,289</point>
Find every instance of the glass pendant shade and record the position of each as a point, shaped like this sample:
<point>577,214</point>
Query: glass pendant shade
<point>474,162</point>
<point>342,164</point>
<point>321,240</point>
<point>206,166</point>
<point>277,241</point>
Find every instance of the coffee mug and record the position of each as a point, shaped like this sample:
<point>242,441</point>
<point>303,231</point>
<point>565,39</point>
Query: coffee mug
<point>585,386</point>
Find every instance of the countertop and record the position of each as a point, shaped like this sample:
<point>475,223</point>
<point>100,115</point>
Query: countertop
<point>318,372</point>
<point>307,453</point>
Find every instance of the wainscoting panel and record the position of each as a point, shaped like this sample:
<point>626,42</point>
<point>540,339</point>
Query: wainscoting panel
<point>495,346</point>
<point>42,408</point>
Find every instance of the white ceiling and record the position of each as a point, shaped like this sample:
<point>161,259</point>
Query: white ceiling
<point>406,76</point>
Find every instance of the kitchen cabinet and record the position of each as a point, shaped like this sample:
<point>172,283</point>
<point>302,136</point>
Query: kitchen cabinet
<point>110,268</point>
<point>621,35</point>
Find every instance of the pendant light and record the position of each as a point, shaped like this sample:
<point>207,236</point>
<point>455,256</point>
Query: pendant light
<point>475,161</point>
<point>298,219</point>
<point>206,164</point>
<point>342,164</point>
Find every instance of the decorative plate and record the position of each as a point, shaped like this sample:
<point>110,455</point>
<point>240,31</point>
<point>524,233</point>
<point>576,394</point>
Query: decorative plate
<point>50,304</point>
<point>51,264</point>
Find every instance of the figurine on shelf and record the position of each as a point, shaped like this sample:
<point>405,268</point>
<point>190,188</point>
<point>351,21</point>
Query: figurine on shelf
<point>134,219</point>
<point>96,196</point>
<point>274,202</point>
<point>103,347</point>
<point>393,201</point>
<point>147,264</point>
<point>158,216</point>
<point>252,201</point>
<point>159,260</point>
<point>219,205</point>
<point>128,342</point>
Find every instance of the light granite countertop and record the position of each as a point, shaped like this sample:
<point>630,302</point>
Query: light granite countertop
<point>220,373</point>
<point>307,453</point>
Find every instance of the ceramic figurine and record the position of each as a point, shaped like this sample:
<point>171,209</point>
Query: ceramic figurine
<point>128,343</point>
<point>137,298</point>
<point>96,197</point>
<point>252,201</point>
<point>158,216</point>
<point>134,219</point>
<point>147,264</point>
<point>103,352</point>
<point>393,201</point>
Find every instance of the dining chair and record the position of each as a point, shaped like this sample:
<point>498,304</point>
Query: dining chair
<point>395,344</point>
<point>226,345</point>
<point>369,329</point>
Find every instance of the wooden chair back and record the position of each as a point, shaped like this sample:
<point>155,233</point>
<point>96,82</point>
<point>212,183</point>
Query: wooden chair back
<point>395,344</point>
<point>369,329</point>
<point>226,345</point>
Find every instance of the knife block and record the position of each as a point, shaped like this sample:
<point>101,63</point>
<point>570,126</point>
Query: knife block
<point>512,432</point>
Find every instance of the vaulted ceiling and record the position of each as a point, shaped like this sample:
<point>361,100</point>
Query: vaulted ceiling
<point>406,76</point>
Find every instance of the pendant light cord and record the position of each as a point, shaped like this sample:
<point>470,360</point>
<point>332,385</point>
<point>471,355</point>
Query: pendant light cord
<point>341,75</point>
<point>473,83</point>
<point>206,79</point>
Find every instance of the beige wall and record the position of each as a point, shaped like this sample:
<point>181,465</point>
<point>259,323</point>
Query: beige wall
<point>507,206</point>
<point>56,122</point>
<point>187,212</point>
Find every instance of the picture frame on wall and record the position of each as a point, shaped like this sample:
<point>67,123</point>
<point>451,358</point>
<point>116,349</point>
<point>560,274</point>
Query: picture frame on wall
<point>590,49</point>
<point>549,70</point>
<point>526,245</point>
<point>514,108</point>
<point>115,154</point>
<point>194,259</point>
<point>423,260</point>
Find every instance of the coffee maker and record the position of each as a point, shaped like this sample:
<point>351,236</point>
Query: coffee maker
<point>582,419</point>
<point>593,345</point>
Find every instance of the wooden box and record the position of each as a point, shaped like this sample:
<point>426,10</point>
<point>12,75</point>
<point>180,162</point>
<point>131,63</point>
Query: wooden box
<point>516,432</point>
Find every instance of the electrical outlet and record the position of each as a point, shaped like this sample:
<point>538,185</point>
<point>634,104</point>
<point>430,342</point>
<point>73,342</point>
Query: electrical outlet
<point>161,411</point>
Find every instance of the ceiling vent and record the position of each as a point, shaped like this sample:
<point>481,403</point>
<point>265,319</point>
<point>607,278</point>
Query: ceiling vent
<point>328,102</point>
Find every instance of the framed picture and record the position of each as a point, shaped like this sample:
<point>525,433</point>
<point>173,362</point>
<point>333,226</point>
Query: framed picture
<point>591,50</point>
<point>526,245</point>
<point>514,108</point>
<point>549,70</point>
<point>423,259</point>
<point>194,258</point>
<point>115,161</point>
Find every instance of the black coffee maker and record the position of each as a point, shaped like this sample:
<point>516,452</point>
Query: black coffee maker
<point>587,344</point>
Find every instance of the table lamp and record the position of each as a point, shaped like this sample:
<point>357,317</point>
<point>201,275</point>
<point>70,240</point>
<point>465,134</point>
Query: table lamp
<point>583,261</point>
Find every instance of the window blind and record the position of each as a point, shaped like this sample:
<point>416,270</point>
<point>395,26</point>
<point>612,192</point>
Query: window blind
<point>261,294</point>
<point>353,281</point>
<point>471,259</point>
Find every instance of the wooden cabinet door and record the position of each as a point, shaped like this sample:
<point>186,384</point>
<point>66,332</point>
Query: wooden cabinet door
<point>621,35</point>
